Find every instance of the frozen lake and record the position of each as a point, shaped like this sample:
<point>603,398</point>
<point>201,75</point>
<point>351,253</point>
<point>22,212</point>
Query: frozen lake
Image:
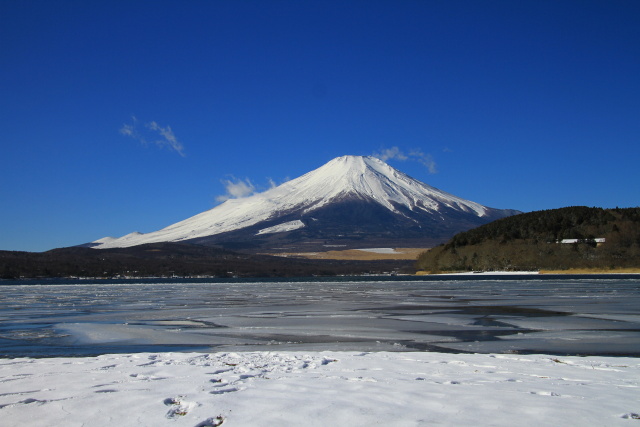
<point>487,314</point>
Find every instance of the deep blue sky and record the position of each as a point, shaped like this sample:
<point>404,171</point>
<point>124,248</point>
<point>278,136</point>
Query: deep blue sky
<point>126,115</point>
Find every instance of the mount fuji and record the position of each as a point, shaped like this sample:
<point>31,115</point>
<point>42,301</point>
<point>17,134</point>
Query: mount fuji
<point>350,202</point>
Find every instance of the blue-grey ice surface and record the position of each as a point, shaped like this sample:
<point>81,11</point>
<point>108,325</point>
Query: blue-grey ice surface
<point>559,315</point>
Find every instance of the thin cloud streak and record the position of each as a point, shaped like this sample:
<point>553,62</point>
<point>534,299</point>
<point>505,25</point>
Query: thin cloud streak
<point>390,153</point>
<point>167,137</point>
<point>394,153</point>
<point>425,159</point>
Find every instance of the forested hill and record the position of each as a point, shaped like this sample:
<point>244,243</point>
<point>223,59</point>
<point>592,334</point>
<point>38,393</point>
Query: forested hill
<point>555,239</point>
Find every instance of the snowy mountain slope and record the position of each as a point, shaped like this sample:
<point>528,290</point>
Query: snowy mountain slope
<point>347,193</point>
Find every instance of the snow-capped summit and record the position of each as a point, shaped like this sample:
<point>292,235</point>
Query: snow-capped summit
<point>348,200</point>
<point>371,178</point>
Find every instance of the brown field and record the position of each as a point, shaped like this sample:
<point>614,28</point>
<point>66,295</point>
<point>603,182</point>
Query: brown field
<point>358,254</point>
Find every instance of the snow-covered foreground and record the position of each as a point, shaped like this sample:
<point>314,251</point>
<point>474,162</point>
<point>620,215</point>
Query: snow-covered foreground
<point>319,388</point>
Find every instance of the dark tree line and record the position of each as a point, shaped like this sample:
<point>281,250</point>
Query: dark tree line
<point>174,259</point>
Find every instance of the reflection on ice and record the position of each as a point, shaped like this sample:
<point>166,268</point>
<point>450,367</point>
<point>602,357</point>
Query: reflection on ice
<point>563,315</point>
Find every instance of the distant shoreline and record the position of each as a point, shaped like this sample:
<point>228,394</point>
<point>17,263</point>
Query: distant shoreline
<point>593,271</point>
<point>568,271</point>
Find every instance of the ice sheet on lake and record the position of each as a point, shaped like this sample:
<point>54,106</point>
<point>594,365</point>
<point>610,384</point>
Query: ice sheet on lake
<point>457,315</point>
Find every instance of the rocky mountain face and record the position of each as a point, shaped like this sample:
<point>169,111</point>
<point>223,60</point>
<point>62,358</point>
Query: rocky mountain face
<point>350,202</point>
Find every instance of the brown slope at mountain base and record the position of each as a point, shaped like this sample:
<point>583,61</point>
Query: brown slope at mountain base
<point>358,254</point>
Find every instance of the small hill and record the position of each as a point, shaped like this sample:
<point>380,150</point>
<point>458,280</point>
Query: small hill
<point>575,237</point>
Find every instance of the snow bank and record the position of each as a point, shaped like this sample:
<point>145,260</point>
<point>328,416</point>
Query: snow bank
<point>319,389</point>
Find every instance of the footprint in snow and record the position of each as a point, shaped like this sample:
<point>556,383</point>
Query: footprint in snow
<point>146,377</point>
<point>106,368</point>
<point>212,422</point>
<point>225,390</point>
<point>631,416</point>
<point>220,371</point>
<point>546,393</point>
<point>26,402</point>
<point>178,406</point>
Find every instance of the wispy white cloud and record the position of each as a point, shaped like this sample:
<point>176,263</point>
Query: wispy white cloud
<point>155,134</point>
<point>425,159</point>
<point>127,130</point>
<point>236,188</point>
<point>130,130</point>
<point>395,153</point>
<point>168,138</point>
<point>390,153</point>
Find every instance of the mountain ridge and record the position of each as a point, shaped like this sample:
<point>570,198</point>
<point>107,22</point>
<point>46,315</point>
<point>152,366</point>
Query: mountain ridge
<point>340,202</point>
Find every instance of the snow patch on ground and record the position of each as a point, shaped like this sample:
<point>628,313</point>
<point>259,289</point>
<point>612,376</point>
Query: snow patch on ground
<point>319,389</point>
<point>280,228</point>
<point>489,273</point>
<point>379,250</point>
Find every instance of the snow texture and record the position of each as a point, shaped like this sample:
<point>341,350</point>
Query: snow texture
<point>287,226</point>
<point>319,389</point>
<point>365,178</point>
